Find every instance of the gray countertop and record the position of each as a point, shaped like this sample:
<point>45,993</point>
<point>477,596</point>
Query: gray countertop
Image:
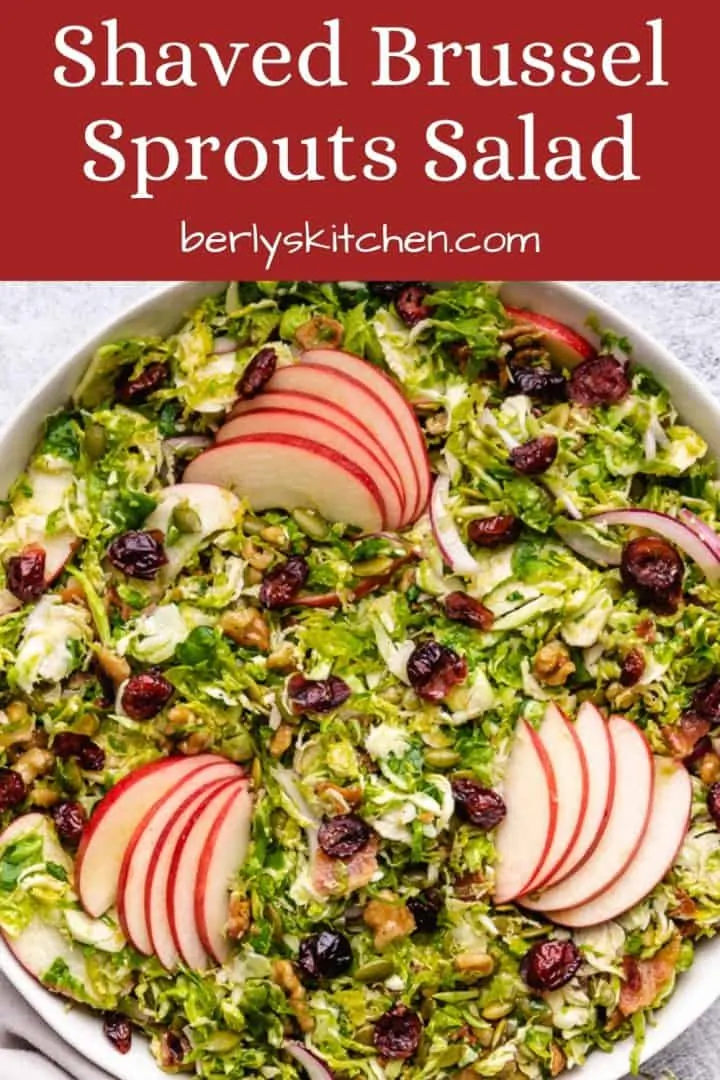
<point>41,322</point>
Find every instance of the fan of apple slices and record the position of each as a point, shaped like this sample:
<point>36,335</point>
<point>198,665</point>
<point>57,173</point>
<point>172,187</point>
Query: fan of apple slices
<point>594,820</point>
<point>331,433</point>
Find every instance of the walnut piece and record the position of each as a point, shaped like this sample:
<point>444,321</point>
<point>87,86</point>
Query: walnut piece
<point>285,976</point>
<point>388,921</point>
<point>552,664</point>
<point>247,627</point>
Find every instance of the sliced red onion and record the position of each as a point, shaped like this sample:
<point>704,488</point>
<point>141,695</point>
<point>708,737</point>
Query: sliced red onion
<point>596,549</point>
<point>222,345</point>
<point>706,533</point>
<point>447,537</point>
<point>313,1065</point>
<point>671,529</point>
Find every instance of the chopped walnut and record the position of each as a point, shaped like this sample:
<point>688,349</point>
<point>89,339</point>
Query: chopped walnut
<point>285,976</point>
<point>557,1060</point>
<point>73,593</point>
<point>388,921</point>
<point>179,717</point>
<point>275,535</point>
<point>709,768</point>
<point>340,799</point>
<point>247,627</point>
<point>281,740</point>
<point>194,744</point>
<point>478,963</point>
<point>33,763</point>
<point>552,664</point>
<point>115,667</point>
<point>255,556</point>
<point>238,917</point>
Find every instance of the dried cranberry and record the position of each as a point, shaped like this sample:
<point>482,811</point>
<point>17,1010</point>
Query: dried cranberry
<point>281,585</point>
<point>324,955</point>
<point>551,964</point>
<point>477,804</point>
<point>654,569</point>
<point>706,699</point>
<point>701,748</point>
<point>492,531</point>
<point>258,372</point>
<point>138,554</point>
<point>633,668</point>
<point>130,391</point>
<point>343,836</point>
<point>317,695</point>
<point>118,1031</point>
<point>12,788</point>
<point>425,909</point>
<point>410,306</point>
<point>70,819</point>
<point>71,744</point>
<point>535,456</point>
<point>397,1033</point>
<point>466,609</point>
<point>26,573</point>
<point>433,670</point>
<point>174,1047</point>
<point>145,695</point>
<point>601,380</point>
<point>713,803</point>
<point>540,383</point>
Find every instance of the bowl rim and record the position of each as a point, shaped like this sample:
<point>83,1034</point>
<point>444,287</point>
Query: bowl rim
<point>163,308</point>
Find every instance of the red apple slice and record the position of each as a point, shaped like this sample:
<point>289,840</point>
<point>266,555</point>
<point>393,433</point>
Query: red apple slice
<point>139,853</point>
<point>298,401</point>
<point>566,346</point>
<point>525,836</point>
<point>158,876</point>
<point>220,860</point>
<point>592,730</point>
<point>371,410</point>
<point>626,826</point>
<point>672,800</point>
<point>563,747</point>
<point>390,393</point>
<point>113,823</point>
<point>288,472</point>
<point>325,433</point>
<point>183,876</point>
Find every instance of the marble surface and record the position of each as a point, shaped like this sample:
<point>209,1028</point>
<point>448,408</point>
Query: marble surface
<point>41,322</point>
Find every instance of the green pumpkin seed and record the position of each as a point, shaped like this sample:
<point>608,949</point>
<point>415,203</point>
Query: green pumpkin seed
<point>186,520</point>
<point>96,441</point>
<point>497,1010</point>
<point>441,758</point>
<point>312,524</point>
<point>373,567</point>
<point>222,1042</point>
<point>375,971</point>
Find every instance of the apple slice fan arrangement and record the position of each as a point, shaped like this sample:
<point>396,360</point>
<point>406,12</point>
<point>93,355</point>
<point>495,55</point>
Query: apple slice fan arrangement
<point>360,675</point>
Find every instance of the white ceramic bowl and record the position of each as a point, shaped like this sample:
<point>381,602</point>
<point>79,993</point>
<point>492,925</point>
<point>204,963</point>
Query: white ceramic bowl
<point>160,314</point>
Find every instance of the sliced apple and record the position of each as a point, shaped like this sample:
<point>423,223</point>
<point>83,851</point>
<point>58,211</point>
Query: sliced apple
<point>183,877</point>
<point>525,836</point>
<point>565,751</point>
<point>625,829</point>
<point>285,471</point>
<point>223,855</point>
<point>371,410</point>
<point>215,508</point>
<point>389,392</point>
<point>566,346</point>
<point>592,730</point>
<point>325,433</point>
<point>156,882</point>
<point>298,401</point>
<point>139,853</point>
<point>113,823</point>
<point>672,800</point>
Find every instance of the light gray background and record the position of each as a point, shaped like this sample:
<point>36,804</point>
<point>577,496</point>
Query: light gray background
<point>41,322</point>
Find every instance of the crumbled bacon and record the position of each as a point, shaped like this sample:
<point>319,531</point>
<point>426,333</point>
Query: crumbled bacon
<point>682,738</point>
<point>332,877</point>
<point>645,979</point>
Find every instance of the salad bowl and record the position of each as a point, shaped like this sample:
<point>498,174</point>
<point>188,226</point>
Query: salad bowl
<point>160,314</point>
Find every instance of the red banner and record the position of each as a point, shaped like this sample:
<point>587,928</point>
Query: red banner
<point>357,141</point>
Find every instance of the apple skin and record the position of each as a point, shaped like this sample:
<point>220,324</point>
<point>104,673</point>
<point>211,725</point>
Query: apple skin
<point>299,401</point>
<point>325,433</point>
<point>388,391</point>
<point>670,815</point>
<point>564,749</point>
<point>112,825</point>
<point>566,346</point>
<point>285,471</point>
<point>371,410</point>
<point>525,836</point>
<point>625,829</point>
<point>139,855</point>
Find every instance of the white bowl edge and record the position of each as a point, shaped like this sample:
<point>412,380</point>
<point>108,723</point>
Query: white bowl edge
<point>161,313</point>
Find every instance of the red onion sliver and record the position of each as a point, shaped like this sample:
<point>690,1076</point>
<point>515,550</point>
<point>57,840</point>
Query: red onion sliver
<point>706,533</point>
<point>676,532</point>
<point>313,1065</point>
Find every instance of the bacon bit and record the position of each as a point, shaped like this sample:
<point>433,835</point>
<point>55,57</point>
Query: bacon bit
<point>470,886</point>
<point>73,593</point>
<point>557,1060</point>
<point>388,922</point>
<point>686,907</point>
<point>645,979</point>
<point>682,738</point>
<point>333,877</point>
<point>341,798</point>
<point>646,630</point>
